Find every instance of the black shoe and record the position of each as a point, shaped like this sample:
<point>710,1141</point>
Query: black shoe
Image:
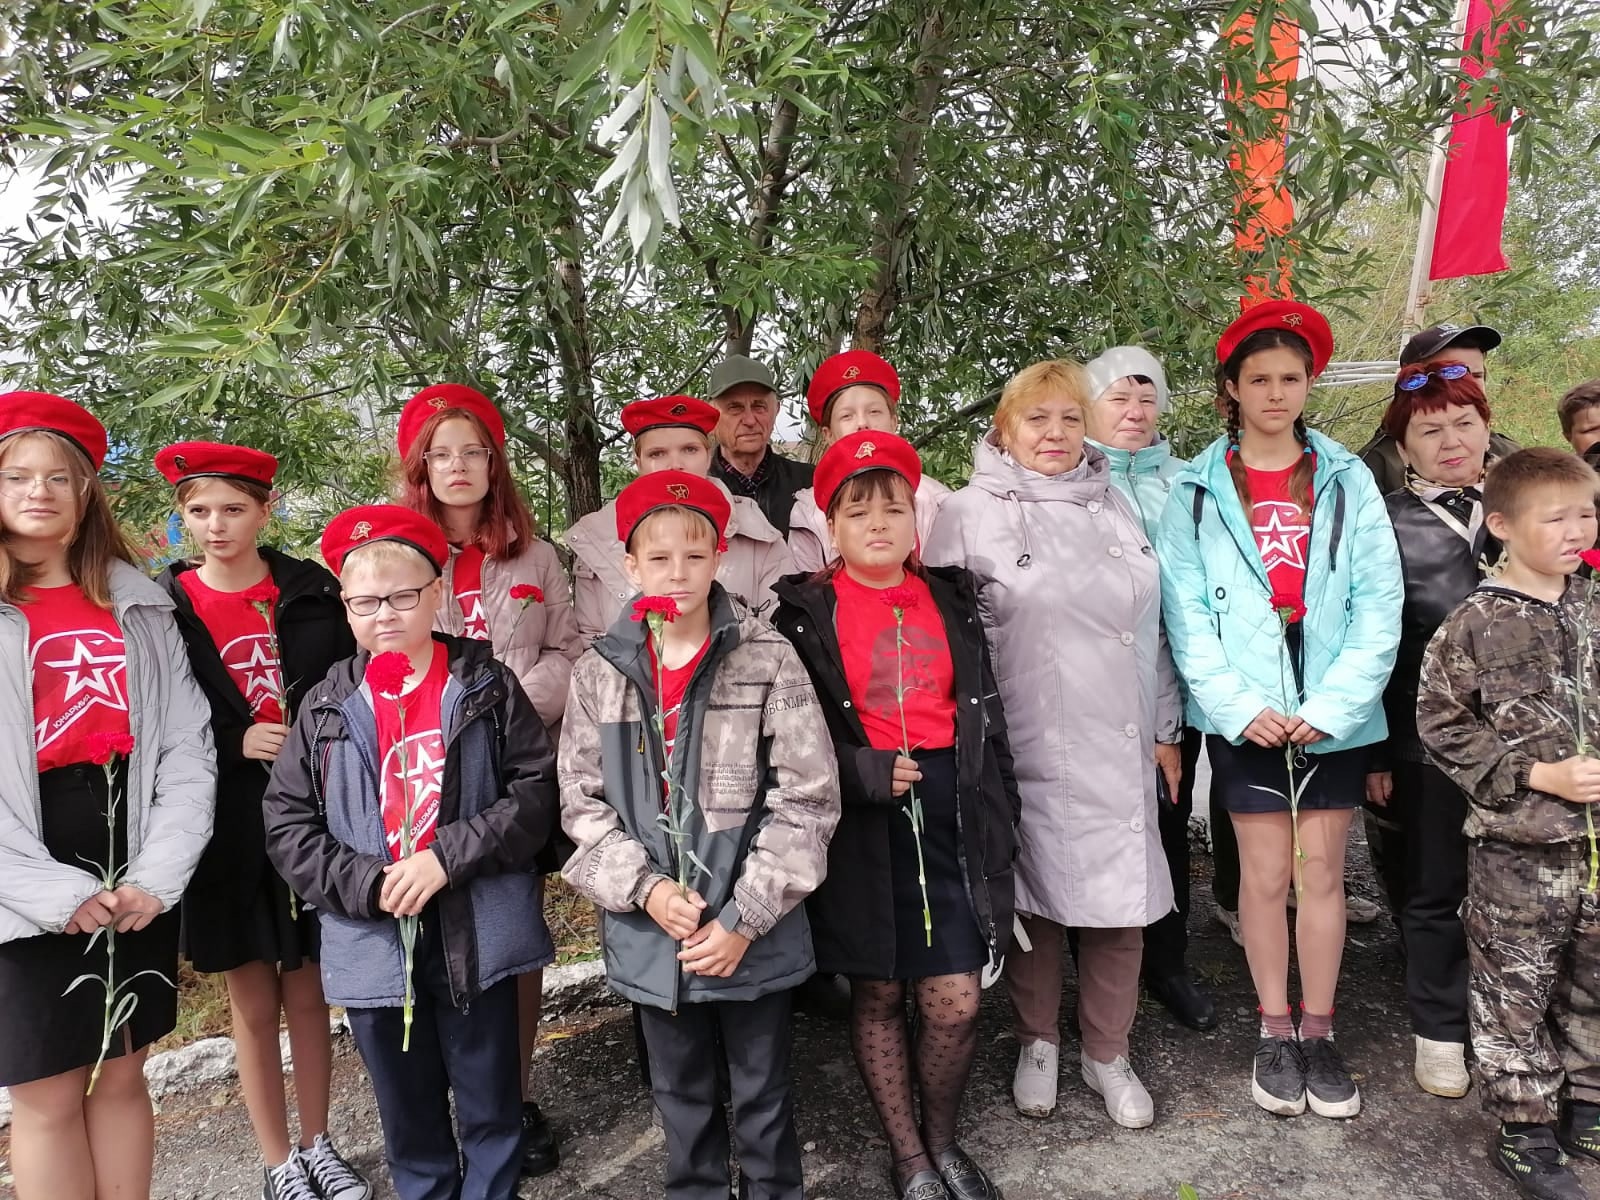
<point>1330,1091</point>
<point>1579,1131</point>
<point>1182,997</point>
<point>924,1185</point>
<point>1278,1082</point>
<point>1536,1164</point>
<point>963,1178</point>
<point>824,995</point>
<point>540,1153</point>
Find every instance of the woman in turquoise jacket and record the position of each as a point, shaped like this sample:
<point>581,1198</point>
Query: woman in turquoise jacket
<point>1281,592</point>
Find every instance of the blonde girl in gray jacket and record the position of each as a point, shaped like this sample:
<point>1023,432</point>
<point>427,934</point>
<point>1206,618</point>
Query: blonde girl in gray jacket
<point>90,662</point>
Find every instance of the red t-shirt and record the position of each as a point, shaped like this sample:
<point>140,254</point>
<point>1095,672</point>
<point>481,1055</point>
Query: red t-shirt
<point>246,641</point>
<point>1282,531</point>
<point>873,662</point>
<point>418,773</point>
<point>80,673</point>
<point>466,576</point>
<point>673,683</point>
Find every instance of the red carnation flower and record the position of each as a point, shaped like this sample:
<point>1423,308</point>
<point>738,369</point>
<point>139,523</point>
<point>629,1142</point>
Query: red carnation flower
<point>265,592</point>
<point>103,747</point>
<point>1288,608</point>
<point>527,593</point>
<point>663,606</point>
<point>901,597</point>
<point>1591,559</point>
<point>387,674</point>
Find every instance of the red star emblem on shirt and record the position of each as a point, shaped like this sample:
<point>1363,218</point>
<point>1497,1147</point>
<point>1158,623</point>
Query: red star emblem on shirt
<point>1280,531</point>
<point>262,677</point>
<point>94,667</point>
<point>476,622</point>
<point>422,779</point>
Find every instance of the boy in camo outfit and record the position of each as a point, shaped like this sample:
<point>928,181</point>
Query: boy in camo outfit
<point>1498,710</point>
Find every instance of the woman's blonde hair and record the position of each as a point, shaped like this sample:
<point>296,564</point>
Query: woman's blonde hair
<point>96,540</point>
<point>1042,380</point>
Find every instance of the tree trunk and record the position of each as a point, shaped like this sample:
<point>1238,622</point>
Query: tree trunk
<point>775,179</point>
<point>568,309</point>
<point>893,221</point>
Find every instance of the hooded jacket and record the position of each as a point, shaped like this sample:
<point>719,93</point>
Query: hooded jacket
<point>172,772</point>
<point>312,635</point>
<point>538,642</point>
<point>1070,600</point>
<point>497,809</point>
<point>852,913</point>
<point>756,558</point>
<point>1145,477</point>
<point>762,792</point>
<point>810,545</point>
<point>1226,636</point>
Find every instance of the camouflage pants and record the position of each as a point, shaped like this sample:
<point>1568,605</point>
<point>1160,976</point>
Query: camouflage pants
<point>1533,941</point>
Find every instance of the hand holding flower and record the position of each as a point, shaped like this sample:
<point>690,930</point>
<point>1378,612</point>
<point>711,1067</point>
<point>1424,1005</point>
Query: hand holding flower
<point>409,884</point>
<point>677,913</point>
<point>263,742</point>
<point>714,951</point>
<point>905,773</point>
<point>1575,779</point>
<point>134,908</point>
<point>94,913</point>
<point>1302,734</point>
<point>1270,729</point>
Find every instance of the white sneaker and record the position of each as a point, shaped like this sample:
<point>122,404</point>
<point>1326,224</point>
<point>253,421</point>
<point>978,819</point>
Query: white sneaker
<point>1127,1102</point>
<point>1441,1068</point>
<point>1033,1087</point>
<point>1228,918</point>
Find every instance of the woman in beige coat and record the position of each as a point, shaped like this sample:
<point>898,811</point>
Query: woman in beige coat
<point>672,433</point>
<point>508,589</point>
<point>1071,601</point>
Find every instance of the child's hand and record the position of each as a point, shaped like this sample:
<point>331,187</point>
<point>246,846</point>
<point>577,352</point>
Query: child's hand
<point>409,884</point>
<point>92,914</point>
<point>906,772</point>
<point>1269,729</point>
<point>1380,786</point>
<point>712,950</point>
<point>677,914</point>
<point>1300,733</point>
<point>133,908</point>
<point>262,742</point>
<point>1576,779</point>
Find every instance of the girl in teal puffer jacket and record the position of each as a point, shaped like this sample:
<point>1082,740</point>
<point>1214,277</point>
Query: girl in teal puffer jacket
<point>1281,592</point>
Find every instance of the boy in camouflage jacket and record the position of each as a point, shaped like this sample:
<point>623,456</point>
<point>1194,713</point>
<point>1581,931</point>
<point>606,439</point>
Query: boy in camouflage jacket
<point>1498,710</point>
<point>757,796</point>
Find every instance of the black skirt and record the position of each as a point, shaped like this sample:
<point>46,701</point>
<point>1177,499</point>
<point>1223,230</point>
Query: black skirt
<point>49,1030</point>
<point>958,946</point>
<point>1240,773</point>
<point>223,930</point>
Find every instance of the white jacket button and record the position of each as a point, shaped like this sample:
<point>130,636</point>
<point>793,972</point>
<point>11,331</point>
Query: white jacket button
<point>1127,639</point>
<point>1131,730</point>
<point>1137,824</point>
<point>1094,507</point>
<point>1115,552</point>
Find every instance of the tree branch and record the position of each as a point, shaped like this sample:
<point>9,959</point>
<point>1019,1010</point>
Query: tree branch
<point>951,420</point>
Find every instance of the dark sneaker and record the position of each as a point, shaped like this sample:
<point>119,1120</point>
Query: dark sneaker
<point>288,1182</point>
<point>540,1153</point>
<point>1278,1082</point>
<point>1536,1164</point>
<point>1329,1089</point>
<point>333,1178</point>
<point>1579,1131</point>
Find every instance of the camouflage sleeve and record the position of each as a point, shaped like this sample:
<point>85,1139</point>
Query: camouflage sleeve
<point>1450,721</point>
<point>788,857</point>
<point>609,867</point>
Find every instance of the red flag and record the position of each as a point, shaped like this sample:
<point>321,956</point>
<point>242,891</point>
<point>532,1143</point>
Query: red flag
<point>1264,207</point>
<point>1472,204</point>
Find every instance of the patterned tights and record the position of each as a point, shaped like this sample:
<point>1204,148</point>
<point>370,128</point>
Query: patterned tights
<point>946,1043</point>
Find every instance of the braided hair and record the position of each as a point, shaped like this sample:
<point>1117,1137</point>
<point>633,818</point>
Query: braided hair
<point>1228,373</point>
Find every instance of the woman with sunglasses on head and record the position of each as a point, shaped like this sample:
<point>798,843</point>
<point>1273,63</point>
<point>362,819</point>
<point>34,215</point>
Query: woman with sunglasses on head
<point>1281,594</point>
<point>261,628</point>
<point>1439,421</point>
<point>109,782</point>
<point>508,589</point>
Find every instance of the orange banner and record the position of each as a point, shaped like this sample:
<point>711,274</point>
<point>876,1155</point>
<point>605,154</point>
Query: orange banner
<point>1264,209</point>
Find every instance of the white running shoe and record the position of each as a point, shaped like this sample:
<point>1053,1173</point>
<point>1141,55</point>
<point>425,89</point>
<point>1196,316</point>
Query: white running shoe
<point>1033,1087</point>
<point>1441,1068</point>
<point>1127,1102</point>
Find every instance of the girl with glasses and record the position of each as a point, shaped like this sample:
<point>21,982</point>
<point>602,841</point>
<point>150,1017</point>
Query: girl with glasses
<point>508,589</point>
<point>261,628</point>
<point>107,757</point>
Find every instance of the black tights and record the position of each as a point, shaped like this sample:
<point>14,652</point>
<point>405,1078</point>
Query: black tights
<point>947,1041</point>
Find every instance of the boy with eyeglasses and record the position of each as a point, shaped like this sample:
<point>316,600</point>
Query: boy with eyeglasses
<point>421,739</point>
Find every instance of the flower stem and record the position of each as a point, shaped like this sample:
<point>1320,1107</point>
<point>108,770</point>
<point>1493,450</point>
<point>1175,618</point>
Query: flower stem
<point>913,810</point>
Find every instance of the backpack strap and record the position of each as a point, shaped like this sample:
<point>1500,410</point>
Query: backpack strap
<point>1338,525</point>
<point>1199,509</point>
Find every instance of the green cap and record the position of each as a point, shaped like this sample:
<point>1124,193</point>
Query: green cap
<point>737,369</point>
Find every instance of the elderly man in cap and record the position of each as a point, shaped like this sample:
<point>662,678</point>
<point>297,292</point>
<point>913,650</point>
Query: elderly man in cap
<point>746,396</point>
<point>1466,344</point>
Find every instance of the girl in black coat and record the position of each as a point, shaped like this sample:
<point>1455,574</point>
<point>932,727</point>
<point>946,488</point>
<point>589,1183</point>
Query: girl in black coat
<point>262,629</point>
<point>902,670</point>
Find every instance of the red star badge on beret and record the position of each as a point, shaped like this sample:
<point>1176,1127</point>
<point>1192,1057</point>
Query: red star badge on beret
<point>678,491</point>
<point>362,530</point>
<point>866,450</point>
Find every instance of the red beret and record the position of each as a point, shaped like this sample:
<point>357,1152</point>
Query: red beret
<point>40,412</point>
<point>215,460</point>
<point>669,412</point>
<point>357,527</point>
<point>444,398</point>
<point>1289,315</point>
<point>846,370</point>
<point>864,450</point>
<point>661,489</point>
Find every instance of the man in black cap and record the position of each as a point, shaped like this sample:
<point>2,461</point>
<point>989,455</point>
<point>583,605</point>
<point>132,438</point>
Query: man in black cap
<point>746,395</point>
<point>1467,344</point>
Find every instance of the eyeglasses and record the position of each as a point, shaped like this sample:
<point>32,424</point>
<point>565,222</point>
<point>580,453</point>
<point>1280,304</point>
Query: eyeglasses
<point>1412,383</point>
<point>443,460</point>
<point>367,606</point>
<point>17,485</point>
